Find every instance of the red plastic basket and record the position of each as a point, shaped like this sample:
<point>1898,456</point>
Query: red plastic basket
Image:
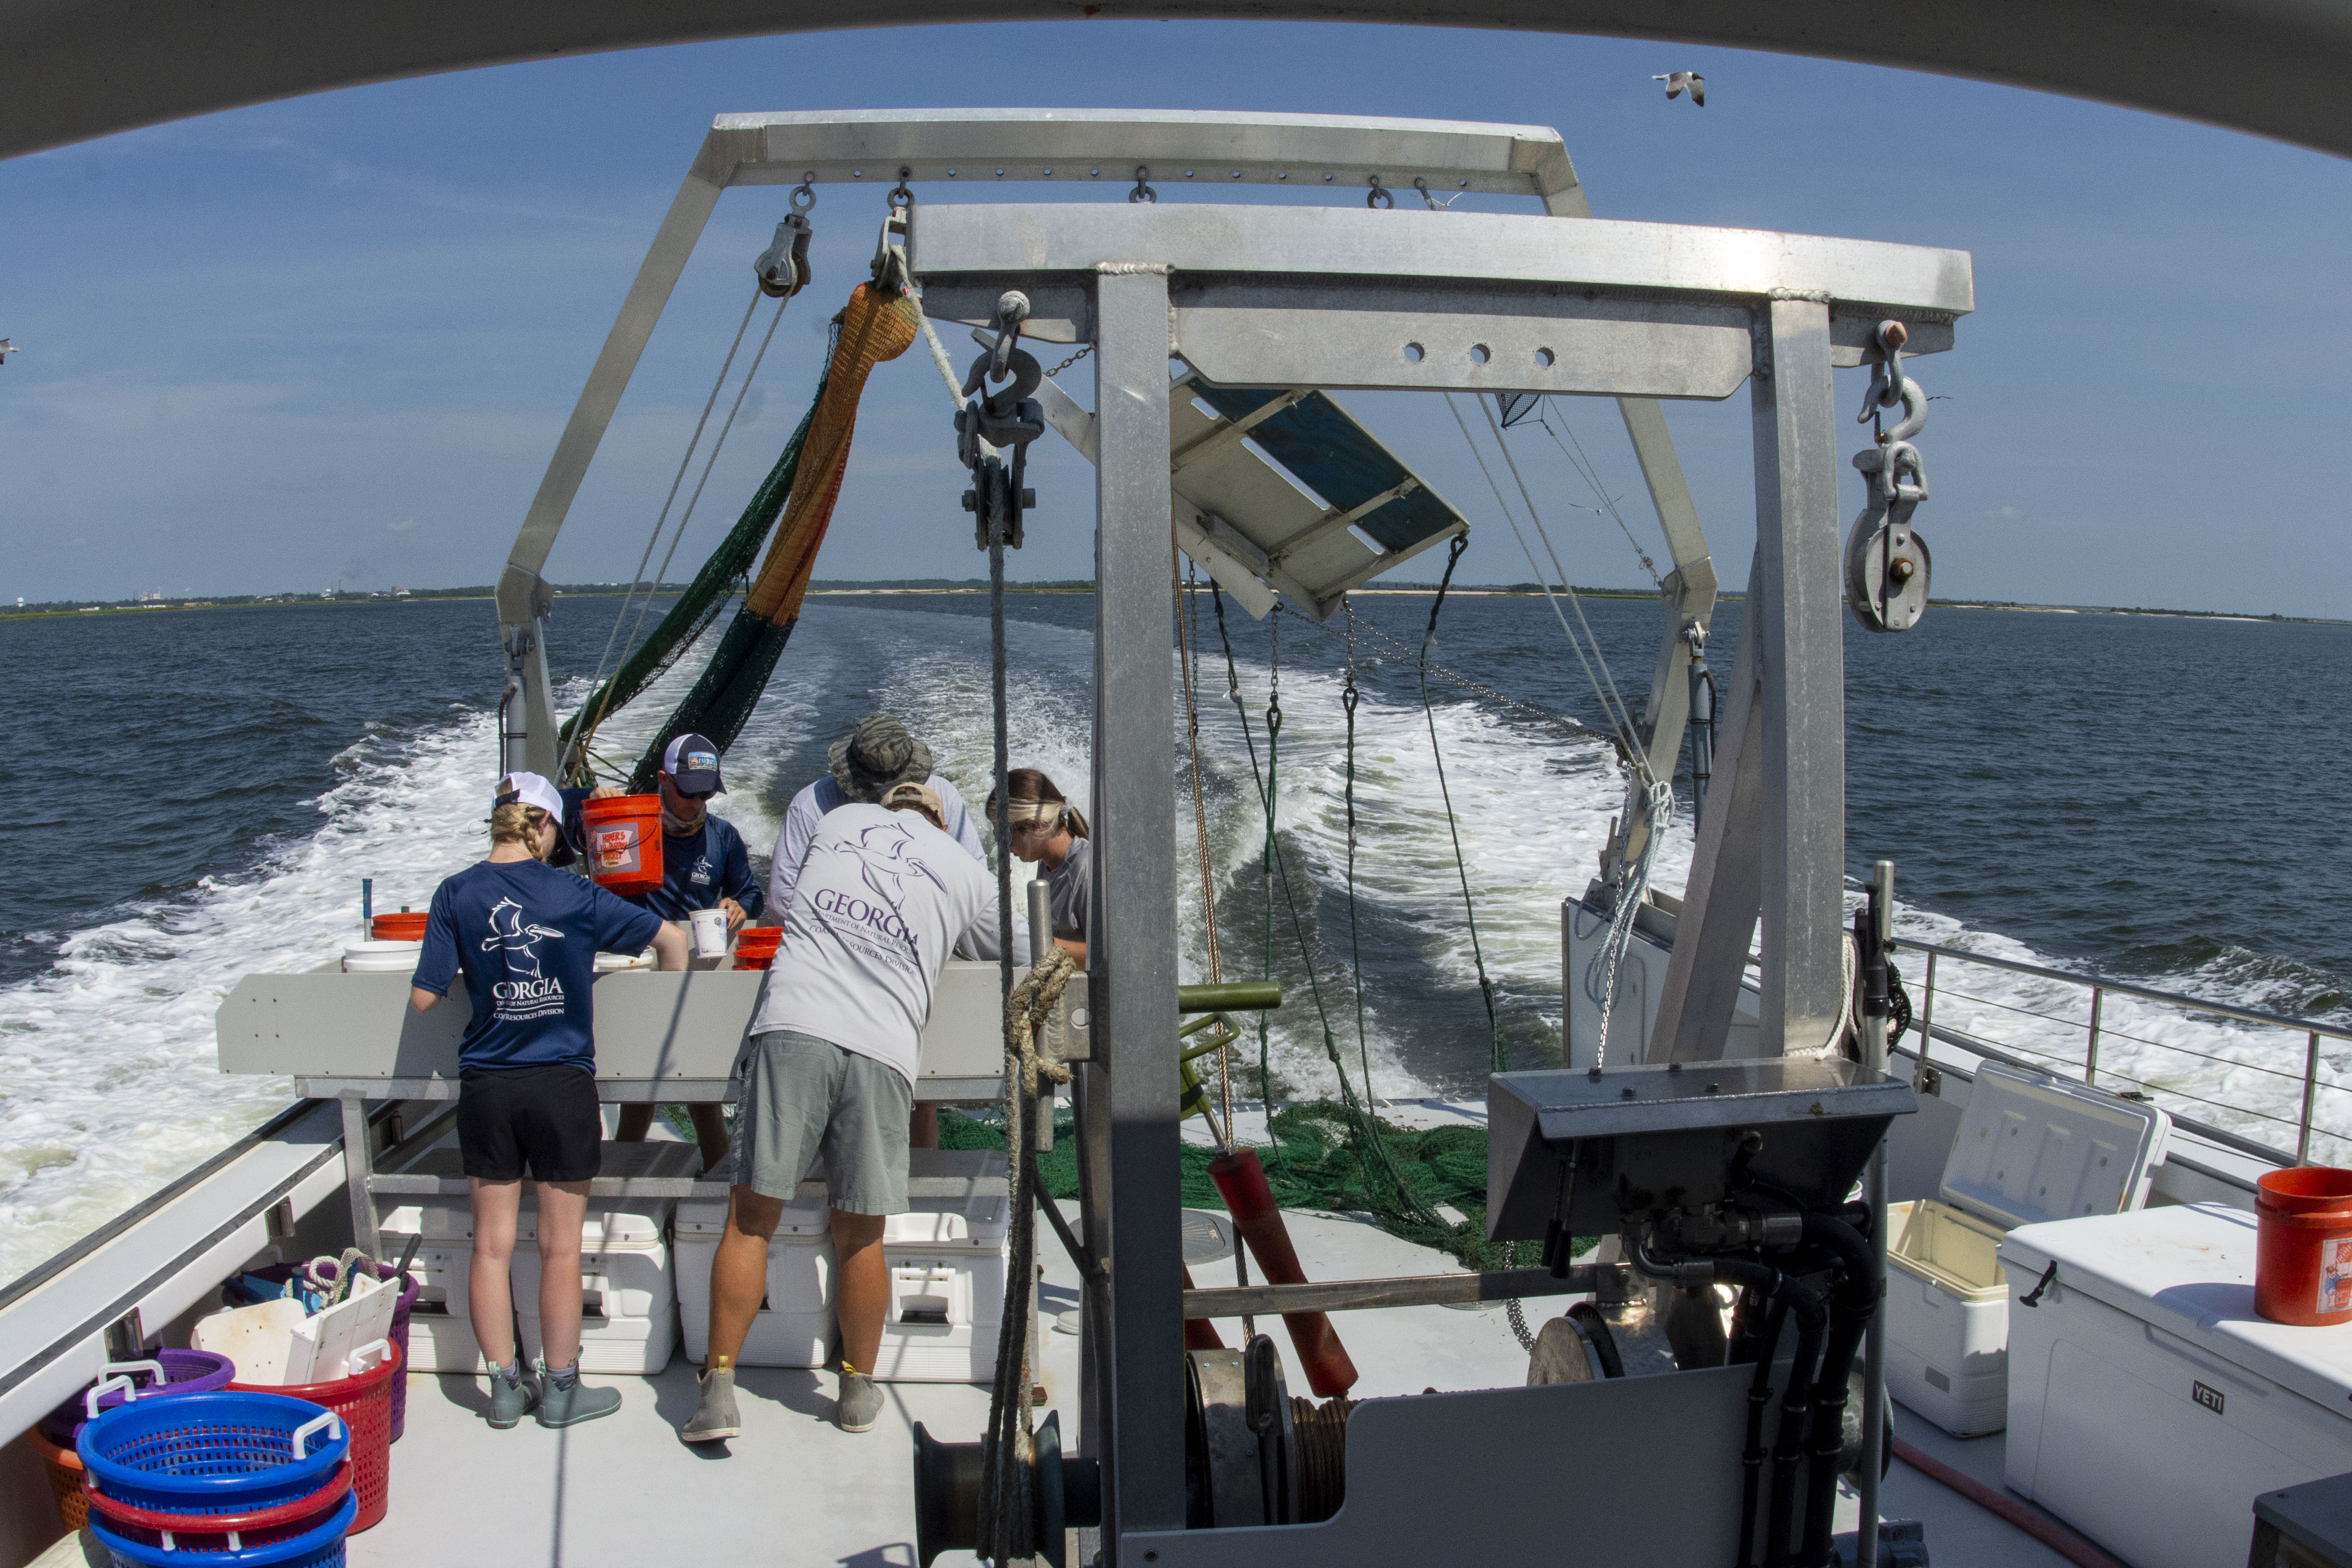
<point>212,1532</point>
<point>365,1404</point>
<point>260,1526</point>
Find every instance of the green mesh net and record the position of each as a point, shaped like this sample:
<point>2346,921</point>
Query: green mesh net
<point>720,577</point>
<point>1317,1161</point>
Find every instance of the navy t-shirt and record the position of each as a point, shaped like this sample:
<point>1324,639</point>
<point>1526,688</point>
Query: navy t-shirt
<point>526,936</point>
<point>700,867</point>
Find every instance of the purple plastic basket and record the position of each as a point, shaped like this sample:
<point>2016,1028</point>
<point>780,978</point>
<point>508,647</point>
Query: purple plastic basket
<point>401,1303</point>
<point>185,1371</point>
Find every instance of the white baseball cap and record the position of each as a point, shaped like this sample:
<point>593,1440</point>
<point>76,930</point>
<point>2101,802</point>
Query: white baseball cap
<point>530,789</point>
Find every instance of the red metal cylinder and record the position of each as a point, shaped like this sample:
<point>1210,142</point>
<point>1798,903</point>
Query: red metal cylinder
<point>1241,1182</point>
<point>1200,1334</point>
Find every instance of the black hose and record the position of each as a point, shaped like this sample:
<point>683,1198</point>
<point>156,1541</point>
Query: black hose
<point>1759,1395</point>
<point>1789,1452</point>
<point>1856,1302</point>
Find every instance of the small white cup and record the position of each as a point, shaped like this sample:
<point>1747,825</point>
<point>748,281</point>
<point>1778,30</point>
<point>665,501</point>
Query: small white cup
<point>710,928</point>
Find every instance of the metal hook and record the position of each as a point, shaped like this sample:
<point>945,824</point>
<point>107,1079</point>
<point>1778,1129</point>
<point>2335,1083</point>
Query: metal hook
<point>1378,196</point>
<point>1143,191</point>
<point>804,194</point>
<point>900,197</point>
<point>1429,201</point>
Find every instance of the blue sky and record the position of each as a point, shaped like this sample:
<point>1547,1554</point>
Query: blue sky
<point>334,339</point>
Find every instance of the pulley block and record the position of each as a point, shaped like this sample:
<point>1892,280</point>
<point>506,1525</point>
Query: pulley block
<point>1887,572</point>
<point>783,268</point>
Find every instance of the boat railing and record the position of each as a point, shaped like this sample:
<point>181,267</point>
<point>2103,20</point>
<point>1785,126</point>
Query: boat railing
<point>2227,1080</point>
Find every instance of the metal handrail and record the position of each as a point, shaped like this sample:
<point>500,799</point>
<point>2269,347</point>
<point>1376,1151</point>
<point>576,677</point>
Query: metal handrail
<point>2194,1004</point>
<point>2311,1029</point>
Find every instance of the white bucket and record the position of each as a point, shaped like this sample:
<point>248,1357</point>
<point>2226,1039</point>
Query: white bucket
<point>381,957</point>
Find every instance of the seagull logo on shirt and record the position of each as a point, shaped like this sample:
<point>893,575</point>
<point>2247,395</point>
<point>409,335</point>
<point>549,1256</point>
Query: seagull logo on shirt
<point>519,942</point>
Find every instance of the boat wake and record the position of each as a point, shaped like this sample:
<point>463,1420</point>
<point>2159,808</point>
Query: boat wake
<point>107,1056</point>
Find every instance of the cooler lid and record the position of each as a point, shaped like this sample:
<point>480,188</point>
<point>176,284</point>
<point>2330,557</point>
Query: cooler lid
<point>2033,1148</point>
<point>981,1220</point>
<point>2188,1270</point>
<point>802,1217</point>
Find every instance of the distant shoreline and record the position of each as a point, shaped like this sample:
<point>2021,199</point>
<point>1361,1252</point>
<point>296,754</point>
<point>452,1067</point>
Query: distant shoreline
<point>938,589</point>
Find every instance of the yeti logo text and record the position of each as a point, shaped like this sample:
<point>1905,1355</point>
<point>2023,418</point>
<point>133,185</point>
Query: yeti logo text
<point>519,943</point>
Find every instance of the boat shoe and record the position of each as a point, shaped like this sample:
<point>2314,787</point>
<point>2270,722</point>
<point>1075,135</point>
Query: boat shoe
<point>716,1418</point>
<point>860,1404</point>
<point>511,1399</point>
<point>561,1406</point>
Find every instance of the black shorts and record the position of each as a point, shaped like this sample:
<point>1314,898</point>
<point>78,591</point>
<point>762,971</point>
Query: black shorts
<point>540,1121</point>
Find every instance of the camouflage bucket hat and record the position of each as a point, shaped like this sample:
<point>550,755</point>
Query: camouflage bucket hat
<point>875,755</point>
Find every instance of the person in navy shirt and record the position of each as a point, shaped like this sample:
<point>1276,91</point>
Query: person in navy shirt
<point>525,937</point>
<point>704,866</point>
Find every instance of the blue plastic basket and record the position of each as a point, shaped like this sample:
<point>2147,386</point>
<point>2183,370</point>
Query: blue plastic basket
<point>211,1453</point>
<point>322,1548</point>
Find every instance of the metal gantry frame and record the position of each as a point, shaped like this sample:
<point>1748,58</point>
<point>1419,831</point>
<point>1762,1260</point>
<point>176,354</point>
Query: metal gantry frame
<point>1184,150</point>
<point>1283,296</point>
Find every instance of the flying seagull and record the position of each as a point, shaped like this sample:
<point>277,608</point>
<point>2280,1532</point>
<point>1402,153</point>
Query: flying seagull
<point>6,348</point>
<point>1677,80</point>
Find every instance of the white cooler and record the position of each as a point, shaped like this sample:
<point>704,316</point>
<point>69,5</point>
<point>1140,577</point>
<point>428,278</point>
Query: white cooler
<point>2030,1148</point>
<point>947,1288</point>
<point>628,1289</point>
<point>440,1328</point>
<point>2148,1405</point>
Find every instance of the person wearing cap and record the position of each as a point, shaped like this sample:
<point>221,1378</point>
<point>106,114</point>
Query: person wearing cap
<point>877,754</point>
<point>525,936</point>
<point>1046,830</point>
<point>883,894</point>
<point>705,865</point>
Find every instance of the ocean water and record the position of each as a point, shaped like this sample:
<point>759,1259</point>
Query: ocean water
<point>197,795</point>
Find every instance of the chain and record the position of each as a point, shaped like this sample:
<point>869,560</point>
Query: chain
<point>1069,361</point>
<point>1348,696</point>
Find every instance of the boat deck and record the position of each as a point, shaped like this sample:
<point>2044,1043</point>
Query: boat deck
<point>623,1491</point>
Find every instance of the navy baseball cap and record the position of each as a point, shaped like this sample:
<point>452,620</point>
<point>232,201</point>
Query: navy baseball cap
<point>692,763</point>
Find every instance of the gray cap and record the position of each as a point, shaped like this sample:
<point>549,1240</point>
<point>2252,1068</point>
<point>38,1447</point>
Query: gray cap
<point>875,755</point>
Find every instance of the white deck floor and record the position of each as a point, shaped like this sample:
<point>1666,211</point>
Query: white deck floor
<point>623,1492</point>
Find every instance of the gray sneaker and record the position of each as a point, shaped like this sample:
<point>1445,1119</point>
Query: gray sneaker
<point>510,1399</point>
<point>860,1404</point>
<point>716,1418</point>
<point>561,1406</point>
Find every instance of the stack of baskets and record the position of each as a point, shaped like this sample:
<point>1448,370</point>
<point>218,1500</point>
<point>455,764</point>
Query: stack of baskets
<point>168,1375</point>
<point>244,1479</point>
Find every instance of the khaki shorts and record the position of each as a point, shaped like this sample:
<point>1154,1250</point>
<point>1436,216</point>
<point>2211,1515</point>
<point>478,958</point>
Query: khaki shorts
<point>803,1096</point>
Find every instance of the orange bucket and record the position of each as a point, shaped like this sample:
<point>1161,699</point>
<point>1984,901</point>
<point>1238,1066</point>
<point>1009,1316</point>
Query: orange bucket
<point>402,927</point>
<point>624,842</point>
<point>755,946</point>
<point>2302,1245</point>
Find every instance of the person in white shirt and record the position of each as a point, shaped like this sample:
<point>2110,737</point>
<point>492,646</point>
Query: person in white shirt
<point>883,896</point>
<point>876,754</point>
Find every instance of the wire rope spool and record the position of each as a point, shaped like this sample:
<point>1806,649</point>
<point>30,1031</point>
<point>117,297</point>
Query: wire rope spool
<point>1253,1454</point>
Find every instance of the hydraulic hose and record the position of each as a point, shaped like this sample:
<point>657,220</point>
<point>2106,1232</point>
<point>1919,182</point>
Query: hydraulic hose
<point>1751,1456</point>
<point>1856,1301</point>
<point>1789,1452</point>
